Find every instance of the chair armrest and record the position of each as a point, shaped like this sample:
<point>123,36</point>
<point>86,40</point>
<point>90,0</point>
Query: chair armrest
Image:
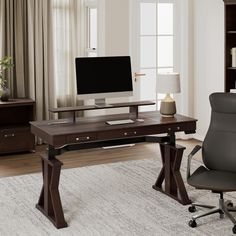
<point>193,152</point>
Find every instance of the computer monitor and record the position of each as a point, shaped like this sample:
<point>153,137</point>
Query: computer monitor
<point>103,77</point>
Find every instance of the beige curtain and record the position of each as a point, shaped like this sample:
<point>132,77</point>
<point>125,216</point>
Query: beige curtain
<point>26,30</point>
<point>69,42</point>
<point>44,37</point>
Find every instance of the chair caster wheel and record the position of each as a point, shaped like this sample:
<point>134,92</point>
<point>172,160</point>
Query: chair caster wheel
<point>193,224</point>
<point>192,209</point>
<point>234,229</point>
<point>222,215</point>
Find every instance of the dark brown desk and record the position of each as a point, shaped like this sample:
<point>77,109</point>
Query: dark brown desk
<point>93,132</point>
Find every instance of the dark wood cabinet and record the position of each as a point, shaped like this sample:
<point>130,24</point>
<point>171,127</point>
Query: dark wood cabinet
<point>15,135</point>
<point>230,42</point>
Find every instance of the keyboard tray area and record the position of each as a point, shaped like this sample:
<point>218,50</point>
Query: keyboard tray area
<point>119,122</point>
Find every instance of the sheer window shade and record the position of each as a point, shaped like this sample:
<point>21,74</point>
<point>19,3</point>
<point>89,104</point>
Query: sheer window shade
<point>69,35</point>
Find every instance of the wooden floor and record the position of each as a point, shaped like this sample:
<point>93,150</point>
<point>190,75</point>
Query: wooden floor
<point>25,163</point>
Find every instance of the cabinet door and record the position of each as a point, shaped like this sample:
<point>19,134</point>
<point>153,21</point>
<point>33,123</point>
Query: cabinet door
<point>15,134</point>
<point>17,139</point>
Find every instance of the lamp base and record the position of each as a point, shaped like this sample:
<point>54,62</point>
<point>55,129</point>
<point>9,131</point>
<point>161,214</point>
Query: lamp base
<point>168,109</point>
<point>167,115</point>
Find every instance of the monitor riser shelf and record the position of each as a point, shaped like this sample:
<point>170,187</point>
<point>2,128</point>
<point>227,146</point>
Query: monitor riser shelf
<point>133,109</point>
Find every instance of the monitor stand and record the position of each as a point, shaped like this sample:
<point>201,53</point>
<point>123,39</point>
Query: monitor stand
<point>101,103</point>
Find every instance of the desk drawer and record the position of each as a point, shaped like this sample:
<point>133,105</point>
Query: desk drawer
<point>125,133</point>
<point>142,131</point>
<point>78,138</point>
<point>176,128</point>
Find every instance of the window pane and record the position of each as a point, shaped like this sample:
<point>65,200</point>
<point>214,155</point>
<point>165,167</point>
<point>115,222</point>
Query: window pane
<point>165,70</point>
<point>92,54</point>
<point>93,28</point>
<point>148,88</point>
<point>148,51</point>
<point>165,51</point>
<point>148,18</point>
<point>160,96</point>
<point>165,18</point>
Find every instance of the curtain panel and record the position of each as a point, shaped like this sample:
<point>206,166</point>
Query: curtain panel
<point>27,37</point>
<point>70,42</point>
<point>43,37</point>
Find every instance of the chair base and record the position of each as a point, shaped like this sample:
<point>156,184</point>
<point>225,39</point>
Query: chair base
<point>224,209</point>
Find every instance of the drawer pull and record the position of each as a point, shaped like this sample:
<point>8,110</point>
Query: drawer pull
<point>169,129</point>
<point>9,135</point>
<point>129,133</point>
<point>82,138</point>
<point>178,128</point>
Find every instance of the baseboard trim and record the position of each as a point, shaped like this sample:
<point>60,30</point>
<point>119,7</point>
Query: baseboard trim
<point>183,136</point>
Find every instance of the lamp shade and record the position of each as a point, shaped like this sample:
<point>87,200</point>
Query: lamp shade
<point>168,83</point>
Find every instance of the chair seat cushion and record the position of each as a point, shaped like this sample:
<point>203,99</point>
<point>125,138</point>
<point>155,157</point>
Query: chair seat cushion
<point>214,180</point>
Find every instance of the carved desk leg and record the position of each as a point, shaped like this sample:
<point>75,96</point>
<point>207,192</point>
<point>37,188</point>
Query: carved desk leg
<point>49,201</point>
<point>170,173</point>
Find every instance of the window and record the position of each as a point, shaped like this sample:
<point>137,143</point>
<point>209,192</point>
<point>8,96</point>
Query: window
<point>92,32</point>
<point>157,40</point>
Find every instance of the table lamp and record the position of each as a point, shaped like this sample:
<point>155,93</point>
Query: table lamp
<point>168,83</point>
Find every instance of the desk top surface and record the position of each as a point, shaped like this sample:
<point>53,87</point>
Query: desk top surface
<point>98,123</point>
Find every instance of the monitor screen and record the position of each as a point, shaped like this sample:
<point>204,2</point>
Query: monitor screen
<point>103,75</point>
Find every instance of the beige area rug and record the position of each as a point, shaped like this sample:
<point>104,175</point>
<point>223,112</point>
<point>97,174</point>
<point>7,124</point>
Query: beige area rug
<point>110,199</point>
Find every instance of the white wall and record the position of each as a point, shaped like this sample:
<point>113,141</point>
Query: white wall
<point>117,35</point>
<point>208,58</point>
<point>117,27</point>
<point>185,100</point>
<point>113,36</point>
<point>113,27</point>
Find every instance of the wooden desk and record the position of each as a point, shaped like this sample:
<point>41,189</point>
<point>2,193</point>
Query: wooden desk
<point>93,132</point>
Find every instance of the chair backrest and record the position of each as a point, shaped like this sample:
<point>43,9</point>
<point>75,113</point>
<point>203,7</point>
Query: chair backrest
<point>219,145</point>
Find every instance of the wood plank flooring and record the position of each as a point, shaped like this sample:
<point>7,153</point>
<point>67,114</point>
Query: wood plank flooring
<point>26,163</point>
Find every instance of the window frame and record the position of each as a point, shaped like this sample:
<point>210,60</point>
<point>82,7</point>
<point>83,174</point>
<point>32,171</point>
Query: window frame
<point>90,4</point>
<point>175,36</point>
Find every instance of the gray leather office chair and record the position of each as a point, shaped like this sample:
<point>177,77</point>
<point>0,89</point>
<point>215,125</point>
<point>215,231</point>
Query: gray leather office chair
<point>218,173</point>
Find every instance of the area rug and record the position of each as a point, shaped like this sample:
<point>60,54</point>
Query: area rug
<point>109,199</point>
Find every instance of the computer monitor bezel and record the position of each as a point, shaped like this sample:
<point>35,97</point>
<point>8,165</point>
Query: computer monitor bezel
<point>105,95</point>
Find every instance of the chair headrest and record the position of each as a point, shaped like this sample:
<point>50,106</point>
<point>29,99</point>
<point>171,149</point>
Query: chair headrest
<point>223,102</point>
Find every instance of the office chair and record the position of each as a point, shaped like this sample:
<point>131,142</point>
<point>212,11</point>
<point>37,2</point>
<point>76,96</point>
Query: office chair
<point>218,173</point>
